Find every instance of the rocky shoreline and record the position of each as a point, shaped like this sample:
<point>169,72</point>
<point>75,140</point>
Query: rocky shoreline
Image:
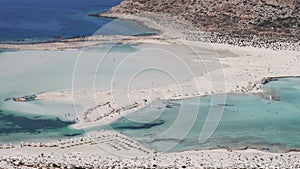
<point>108,149</point>
<point>258,23</point>
<point>81,160</point>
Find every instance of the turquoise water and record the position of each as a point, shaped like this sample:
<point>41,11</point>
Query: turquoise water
<point>16,127</point>
<point>248,121</point>
<point>24,73</point>
<point>31,72</point>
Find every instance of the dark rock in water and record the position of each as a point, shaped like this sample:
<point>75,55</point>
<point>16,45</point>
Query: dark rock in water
<point>7,99</point>
<point>27,98</point>
<point>226,105</point>
<point>266,149</point>
<point>36,117</point>
<point>142,125</point>
<point>169,106</point>
<point>72,135</point>
<point>265,81</point>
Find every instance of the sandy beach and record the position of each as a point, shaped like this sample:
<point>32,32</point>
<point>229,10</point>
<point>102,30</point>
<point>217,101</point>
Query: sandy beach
<point>111,149</point>
<point>239,70</point>
<point>231,69</point>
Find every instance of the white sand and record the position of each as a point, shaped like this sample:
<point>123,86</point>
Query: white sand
<point>88,41</point>
<point>243,68</point>
<point>108,148</point>
<point>230,70</point>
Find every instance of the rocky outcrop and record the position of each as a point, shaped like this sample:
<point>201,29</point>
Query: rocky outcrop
<point>272,18</point>
<point>27,98</point>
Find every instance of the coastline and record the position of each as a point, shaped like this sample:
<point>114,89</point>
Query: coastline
<point>247,76</point>
<point>181,29</point>
<point>81,42</point>
<point>238,78</point>
<point>174,31</point>
<point>112,149</point>
<point>100,150</point>
<point>266,24</point>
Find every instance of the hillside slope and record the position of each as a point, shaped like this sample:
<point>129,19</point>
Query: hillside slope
<point>276,18</point>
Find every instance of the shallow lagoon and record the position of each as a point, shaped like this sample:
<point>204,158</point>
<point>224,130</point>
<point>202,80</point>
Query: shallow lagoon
<point>16,127</point>
<point>248,121</point>
<point>32,72</point>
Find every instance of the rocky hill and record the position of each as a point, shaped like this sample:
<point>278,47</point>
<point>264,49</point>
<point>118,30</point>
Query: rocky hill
<point>276,18</point>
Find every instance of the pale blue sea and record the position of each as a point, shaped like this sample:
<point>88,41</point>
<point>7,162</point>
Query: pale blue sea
<point>248,121</point>
<point>25,72</point>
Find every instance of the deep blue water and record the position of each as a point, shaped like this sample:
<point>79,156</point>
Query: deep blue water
<point>45,19</point>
